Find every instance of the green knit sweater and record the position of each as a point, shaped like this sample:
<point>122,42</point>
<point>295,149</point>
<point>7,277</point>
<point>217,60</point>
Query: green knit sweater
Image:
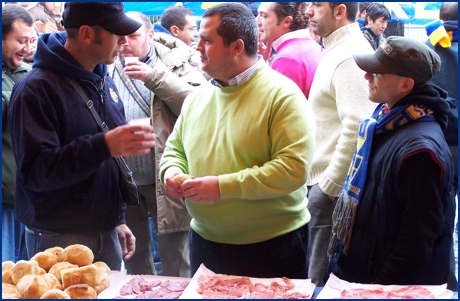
<point>258,138</point>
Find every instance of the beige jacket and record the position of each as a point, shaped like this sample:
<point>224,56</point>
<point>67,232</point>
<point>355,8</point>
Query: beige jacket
<point>166,106</point>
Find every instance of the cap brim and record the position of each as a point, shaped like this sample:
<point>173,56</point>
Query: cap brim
<point>123,27</point>
<point>370,63</point>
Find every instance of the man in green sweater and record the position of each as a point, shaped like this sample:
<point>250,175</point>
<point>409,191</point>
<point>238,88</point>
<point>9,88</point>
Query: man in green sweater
<point>248,139</point>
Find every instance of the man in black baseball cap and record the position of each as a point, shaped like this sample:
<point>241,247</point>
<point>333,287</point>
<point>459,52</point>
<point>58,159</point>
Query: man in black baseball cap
<point>109,15</point>
<point>393,222</point>
<point>70,185</point>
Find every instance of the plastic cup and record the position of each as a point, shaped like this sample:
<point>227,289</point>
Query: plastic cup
<point>131,59</point>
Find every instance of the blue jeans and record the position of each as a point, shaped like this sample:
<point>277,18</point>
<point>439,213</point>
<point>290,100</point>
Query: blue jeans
<point>285,255</point>
<point>13,237</point>
<point>105,245</point>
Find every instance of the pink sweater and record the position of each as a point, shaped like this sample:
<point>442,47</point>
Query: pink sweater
<point>297,57</point>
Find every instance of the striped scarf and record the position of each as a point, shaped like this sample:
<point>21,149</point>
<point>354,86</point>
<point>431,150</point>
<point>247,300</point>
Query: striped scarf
<point>442,32</point>
<point>382,121</point>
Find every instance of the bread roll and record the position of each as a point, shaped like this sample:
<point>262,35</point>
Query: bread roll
<point>70,276</point>
<point>79,254</point>
<point>24,267</point>
<point>8,288</point>
<point>31,287</point>
<point>55,294</point>
<point>81,291</point>
<point>180,179</point>
<point>90,275</point>
<point>58,251</point>
<point>105,283</point>
<point>45,260</point>
<point>9,291</point>
<point>102,266</point>
<point>52,281</point>
<point>6,272</point>
<point>59,266</point>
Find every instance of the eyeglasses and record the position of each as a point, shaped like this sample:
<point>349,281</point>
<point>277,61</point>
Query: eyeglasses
<point>191,28</point>
<point>382,74</point>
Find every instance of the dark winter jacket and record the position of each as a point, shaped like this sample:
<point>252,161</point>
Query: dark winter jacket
<point>66,180</point>
<point>403,229</point>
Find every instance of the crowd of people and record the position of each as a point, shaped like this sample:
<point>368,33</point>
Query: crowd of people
<point>313,143</point>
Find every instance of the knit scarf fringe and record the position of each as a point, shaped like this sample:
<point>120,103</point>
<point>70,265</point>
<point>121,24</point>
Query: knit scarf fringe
<point>343,220</point>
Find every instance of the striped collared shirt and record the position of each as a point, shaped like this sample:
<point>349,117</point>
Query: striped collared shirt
<point>243,76</point>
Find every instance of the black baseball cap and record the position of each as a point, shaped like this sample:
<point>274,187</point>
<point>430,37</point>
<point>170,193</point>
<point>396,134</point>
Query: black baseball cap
<point>109,15</point>
<point>403,56</point>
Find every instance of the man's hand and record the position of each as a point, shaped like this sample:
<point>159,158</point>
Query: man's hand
<point>127,241</point>
<point>46,27</point>
<point>130,140</point>
<point>138,70</point>
<point>172,188</point>
<point>204,189</point>
<point>265,50</point>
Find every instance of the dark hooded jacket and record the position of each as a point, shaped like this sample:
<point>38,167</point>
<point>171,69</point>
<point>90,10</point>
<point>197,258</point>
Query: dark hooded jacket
<point>403,228</point>
<point>66,179</point>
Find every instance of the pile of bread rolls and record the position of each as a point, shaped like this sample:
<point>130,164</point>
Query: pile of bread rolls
<point>56,273</point>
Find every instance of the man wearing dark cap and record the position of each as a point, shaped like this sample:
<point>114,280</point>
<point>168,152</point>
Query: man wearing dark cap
<point>393,222</point>
<point>69,187</point>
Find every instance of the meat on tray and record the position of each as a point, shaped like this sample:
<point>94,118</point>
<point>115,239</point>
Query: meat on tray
<point>216,287</point>
<point>153,289</point>
<point>408,292</point>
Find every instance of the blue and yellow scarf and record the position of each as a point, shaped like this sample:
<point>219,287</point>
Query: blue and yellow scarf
<point>383,120</point>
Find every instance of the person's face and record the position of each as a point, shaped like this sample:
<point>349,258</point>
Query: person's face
<point>270,28</point>
<point>378,26</point>
<point>106,46</point>
<point>321,18</point>
<point>17,44</point>
<point>54,7</point>
<point>215,57</point>
<point>33,47</point>
<point>384,88</point>
<point>137,43</point>
<point>189,32</point>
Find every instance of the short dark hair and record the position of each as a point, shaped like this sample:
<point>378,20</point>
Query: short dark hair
<point>352,9</point>
<point>294,9</point>
<point>377,10</point>
<point>236,22</point>
<point>362,6</point>
<point>448,11</point>
<point>175,15</point>
<point>11,13</point>
<point>145,20</point>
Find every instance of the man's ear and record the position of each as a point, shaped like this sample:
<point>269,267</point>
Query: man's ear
<point>340,11</point>
<point>174,30</point>
<point>287,21</point>
<point>150,34</point>
<point>86,34</point>
<point>408,85</point>
<point>238,47</point>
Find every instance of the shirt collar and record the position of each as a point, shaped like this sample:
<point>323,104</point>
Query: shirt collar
<point>243,76</point>
<point>296,34</point>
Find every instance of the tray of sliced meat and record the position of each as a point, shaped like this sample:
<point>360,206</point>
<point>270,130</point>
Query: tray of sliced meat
<point>124,286</point>
<point>205,284</point>
<point>336,288</point>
